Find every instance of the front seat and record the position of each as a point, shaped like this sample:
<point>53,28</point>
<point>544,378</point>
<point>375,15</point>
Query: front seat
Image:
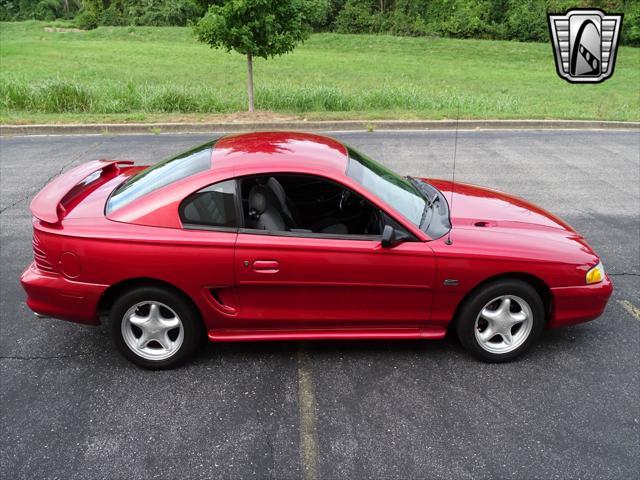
<point>291,215</point>
<point>263,210</point>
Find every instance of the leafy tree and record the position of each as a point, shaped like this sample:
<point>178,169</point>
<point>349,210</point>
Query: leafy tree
<point>256,28</point>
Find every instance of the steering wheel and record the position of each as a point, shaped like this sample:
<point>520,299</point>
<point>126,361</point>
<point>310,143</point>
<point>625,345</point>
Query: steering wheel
<point>343,198</point>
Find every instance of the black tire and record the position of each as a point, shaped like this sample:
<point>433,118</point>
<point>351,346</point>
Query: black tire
<point>472,306</point>
<point>191,330</point>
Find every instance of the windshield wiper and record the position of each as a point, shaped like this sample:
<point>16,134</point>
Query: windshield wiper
<point>417,184</point>
<point>429,202</point>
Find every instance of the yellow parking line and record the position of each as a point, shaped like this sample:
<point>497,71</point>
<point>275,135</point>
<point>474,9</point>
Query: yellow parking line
<point>307,415</point>
<point>631,308</point>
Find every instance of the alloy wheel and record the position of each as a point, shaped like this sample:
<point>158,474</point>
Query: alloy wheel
<point>152,330</point>
<point>503,324</point>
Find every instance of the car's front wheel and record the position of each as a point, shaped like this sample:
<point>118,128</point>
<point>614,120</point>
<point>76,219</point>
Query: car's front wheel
<point>501,320</point>
<point>154,327</point>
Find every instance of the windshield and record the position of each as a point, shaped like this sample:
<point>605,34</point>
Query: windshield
<point>161,175</point>
<point>421,203</point>
<point>393,189</point>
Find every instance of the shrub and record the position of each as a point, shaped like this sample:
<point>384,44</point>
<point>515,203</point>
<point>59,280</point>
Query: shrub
<point>48,10</point>
<point>163,12</point>
<point>113,16</point>
<point>631,26</point>
<point>357,17</point>
<point>406,25</point>
<point>87,20</point>
<point>468,20</point>
<point>179,12</point>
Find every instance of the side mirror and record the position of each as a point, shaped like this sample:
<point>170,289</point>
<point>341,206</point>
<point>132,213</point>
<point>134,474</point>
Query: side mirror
<point>389,237</point>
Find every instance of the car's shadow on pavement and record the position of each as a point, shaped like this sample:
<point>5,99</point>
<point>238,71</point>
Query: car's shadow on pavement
<point>550,344</point>
<point>93,343</point>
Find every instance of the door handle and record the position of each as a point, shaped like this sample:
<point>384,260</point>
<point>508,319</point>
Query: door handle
<point>266,266</point>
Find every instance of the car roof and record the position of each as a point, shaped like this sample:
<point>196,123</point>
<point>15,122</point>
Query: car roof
<point>282,150</point>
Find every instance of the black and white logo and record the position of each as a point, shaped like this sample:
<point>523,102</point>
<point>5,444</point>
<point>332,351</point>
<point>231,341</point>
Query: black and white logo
<point>585,44</point>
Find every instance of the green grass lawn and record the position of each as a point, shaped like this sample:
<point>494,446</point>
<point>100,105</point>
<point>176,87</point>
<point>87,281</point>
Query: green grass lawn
<point>152,74</point>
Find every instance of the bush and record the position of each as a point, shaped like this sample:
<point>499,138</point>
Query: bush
<point>163,12</point>
<point>406,25</point>
<point>87,20</point>
<point>631,26</point>
<point>357,17</point>
<point>468,20</point>
<point>526,21</point>
<point>113,16</point>
<point>180,12</point>
<point>6,12</point>
<point>48,10</point>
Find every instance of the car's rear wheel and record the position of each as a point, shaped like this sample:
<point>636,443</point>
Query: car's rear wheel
<point>154,327</point>
<point>501,320</point>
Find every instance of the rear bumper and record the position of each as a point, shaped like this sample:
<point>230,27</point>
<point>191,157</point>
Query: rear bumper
<point>52,295</point>
<point>579,304</point>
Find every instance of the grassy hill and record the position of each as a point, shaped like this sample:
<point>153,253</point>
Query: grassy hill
<point>162,73</point>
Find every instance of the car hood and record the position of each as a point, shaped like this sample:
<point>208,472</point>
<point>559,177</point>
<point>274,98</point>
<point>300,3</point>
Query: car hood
<point>485,207</point>
<point>506,225</point>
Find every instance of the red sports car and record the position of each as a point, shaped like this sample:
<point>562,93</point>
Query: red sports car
<point>291,236</point>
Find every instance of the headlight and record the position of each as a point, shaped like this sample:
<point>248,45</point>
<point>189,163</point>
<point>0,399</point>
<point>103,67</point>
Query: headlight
<point>596,274</point>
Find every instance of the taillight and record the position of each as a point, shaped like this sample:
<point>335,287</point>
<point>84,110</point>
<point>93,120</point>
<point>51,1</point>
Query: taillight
<point>40,256</point>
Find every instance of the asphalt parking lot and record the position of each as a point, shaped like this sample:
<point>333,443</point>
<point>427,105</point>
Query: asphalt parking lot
<point>71,407</point>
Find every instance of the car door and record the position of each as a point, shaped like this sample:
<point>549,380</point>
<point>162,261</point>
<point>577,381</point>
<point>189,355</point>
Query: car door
<point>293,280</point>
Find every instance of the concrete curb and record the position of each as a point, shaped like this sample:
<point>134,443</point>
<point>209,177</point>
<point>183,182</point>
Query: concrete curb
<point>146,128</point>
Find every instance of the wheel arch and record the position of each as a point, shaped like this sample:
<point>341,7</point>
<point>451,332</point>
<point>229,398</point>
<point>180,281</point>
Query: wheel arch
<point>114,291</point>
<point>537,283</point>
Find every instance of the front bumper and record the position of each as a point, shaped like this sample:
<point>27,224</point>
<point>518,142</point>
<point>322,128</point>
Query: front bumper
<point>574,305</point>
<point>52,295</point>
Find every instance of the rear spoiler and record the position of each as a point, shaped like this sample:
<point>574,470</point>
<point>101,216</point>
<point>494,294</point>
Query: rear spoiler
<point>46,205</point>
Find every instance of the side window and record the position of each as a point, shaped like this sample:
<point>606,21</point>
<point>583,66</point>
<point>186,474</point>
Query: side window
<point>305,204</point>
<point>213,206</point>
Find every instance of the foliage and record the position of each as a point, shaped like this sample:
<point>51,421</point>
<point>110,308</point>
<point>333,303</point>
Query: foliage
<point>162,12</point>
<point>261,28</point>
<point>359,16</point>
<point>468,20</point>
<point>523,20</point>
<point>87,19</point>
<point>631,25</point>
<point>37,9</point>
<point>257,28</point>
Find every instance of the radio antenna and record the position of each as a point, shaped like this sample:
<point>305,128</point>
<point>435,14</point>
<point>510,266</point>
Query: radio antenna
<point>453,176</point>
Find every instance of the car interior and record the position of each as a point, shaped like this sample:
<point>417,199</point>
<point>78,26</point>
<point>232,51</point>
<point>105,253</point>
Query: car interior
<point>307,204</point>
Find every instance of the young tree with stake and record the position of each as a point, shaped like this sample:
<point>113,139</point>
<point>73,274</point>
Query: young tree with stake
<point>256,28</point>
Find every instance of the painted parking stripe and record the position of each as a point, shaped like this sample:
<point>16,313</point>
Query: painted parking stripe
<point>307,418</point>
<point>631,308</point>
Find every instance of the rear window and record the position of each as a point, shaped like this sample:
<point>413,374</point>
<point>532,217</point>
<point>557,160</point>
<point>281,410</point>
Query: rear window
<point>160,175</point>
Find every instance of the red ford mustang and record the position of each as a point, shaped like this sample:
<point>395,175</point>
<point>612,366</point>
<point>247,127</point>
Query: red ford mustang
<point>289,236</point>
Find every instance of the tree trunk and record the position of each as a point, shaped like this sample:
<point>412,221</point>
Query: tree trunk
<point>250,80</point>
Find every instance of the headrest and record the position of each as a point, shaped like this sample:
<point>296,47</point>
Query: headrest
<point>257,200</point>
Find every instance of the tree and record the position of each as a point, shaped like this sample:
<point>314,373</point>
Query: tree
<point>256,28</point>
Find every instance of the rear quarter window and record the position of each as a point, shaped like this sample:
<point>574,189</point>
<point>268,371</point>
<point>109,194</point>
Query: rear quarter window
<point>160,175</point>
<point>213,206</point>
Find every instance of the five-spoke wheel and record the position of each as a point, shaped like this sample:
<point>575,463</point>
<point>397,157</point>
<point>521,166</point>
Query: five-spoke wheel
<point>155,327</point>
<point>152,330</point>
<point>500,320</point>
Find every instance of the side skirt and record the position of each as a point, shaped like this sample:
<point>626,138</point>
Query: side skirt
<point>432,333</point>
